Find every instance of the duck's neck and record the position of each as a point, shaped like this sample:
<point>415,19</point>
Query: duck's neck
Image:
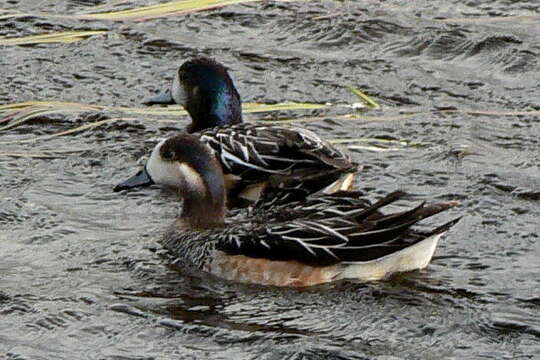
<point>219,106</point>
<point>201,214</point>
<point>204,201</point>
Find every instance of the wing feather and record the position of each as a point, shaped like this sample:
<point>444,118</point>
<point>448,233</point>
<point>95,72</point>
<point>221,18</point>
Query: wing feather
<point>264,150</point>
<point>317,237</point>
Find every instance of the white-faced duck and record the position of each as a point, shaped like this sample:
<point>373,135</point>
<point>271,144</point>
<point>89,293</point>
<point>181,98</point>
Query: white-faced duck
<point>297,243</point>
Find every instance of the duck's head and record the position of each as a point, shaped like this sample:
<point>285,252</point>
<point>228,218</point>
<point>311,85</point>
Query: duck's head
<point>186,164</point>
<point>205,89</point>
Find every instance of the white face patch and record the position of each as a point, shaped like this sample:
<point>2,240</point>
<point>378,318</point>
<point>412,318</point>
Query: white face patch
<point>163,172</point>
<point>178,92</point>
<point>173,173</point>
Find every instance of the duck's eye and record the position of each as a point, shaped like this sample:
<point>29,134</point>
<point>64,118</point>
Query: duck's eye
<point>167,155</point>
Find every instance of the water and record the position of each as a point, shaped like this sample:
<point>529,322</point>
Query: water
<point>81,275</point>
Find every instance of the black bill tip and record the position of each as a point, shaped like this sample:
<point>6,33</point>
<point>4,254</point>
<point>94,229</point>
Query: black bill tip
<point>163,97</point>
<point>141,179</point>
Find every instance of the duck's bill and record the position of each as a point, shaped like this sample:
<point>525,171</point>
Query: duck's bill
<point>141,179</point>
<point>163,97</point>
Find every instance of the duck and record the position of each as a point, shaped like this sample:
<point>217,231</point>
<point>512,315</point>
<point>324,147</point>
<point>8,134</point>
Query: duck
<point>207,92</point>
<point>255,157</point>
<point>305,242</point>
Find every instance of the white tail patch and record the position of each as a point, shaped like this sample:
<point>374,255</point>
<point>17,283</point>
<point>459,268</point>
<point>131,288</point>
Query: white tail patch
<point>344,183</point>
<point>253,192</point>
<point>413,257</point>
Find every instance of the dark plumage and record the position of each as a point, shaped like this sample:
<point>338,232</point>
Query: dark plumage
<point>205,89</point>
<point>212,99</point>
<point>340,233</point>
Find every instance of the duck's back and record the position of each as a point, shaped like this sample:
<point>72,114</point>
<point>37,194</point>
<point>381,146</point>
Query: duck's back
<point>279,155</point>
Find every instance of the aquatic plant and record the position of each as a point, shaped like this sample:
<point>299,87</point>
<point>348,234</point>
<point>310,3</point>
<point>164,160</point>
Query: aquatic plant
<point>59,37</point>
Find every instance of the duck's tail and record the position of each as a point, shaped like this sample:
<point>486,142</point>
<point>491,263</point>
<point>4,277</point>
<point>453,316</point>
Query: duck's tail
<point>414,257</point>
<point>412,250</point>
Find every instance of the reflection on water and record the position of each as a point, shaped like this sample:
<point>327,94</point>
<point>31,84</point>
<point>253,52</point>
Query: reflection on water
<point>82,275</point>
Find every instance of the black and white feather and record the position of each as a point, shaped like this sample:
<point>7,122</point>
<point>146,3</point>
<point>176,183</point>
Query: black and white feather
<point>284,156</point>
<point>321,231</point>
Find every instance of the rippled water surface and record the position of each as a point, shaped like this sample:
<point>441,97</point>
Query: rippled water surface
<point>81,276</point>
